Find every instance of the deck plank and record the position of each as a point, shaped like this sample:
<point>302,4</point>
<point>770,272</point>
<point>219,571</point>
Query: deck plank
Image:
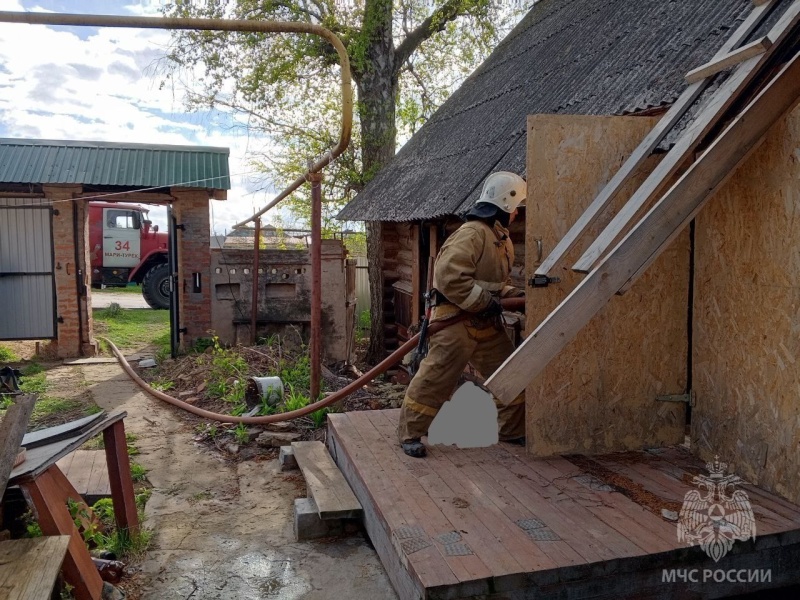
<point>456,503</point>
<point>427,513</point>
<point>400,511</point>
<point>607,544</point>
<point>381,515</point>
<point>325,483</point>
<point>558,551</point>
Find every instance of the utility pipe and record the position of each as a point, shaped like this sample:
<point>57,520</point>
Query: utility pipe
<point>316,282</point>
<point>38,18</point>
<point>394,357</point>
<point>254,303</point>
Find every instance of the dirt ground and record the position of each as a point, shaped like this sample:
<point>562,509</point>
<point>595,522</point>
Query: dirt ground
<point>222,525</point>
<point>222,529</point>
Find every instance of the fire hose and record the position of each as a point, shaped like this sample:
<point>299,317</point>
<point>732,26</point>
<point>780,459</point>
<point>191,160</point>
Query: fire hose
<point>381,367</point>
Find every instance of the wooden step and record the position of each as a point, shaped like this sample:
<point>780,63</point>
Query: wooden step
<point>325,483</point>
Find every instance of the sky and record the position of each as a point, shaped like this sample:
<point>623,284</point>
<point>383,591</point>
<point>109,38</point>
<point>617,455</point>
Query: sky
<point>103,84</point>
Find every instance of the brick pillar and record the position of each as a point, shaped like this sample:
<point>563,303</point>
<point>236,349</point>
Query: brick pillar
<point>70,231</point>
<point>190,209</point>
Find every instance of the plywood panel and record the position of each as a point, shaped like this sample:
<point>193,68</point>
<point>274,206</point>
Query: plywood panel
<point>598,394</point>
<point>747,318</point>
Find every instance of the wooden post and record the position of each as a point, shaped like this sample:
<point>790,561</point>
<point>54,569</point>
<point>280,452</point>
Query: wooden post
<point>350,306</point>
<point>12,430</point>
<point>119,478</point>
<point>49,499</point>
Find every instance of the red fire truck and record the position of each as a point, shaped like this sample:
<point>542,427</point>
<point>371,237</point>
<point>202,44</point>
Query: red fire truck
<point>126,247</point>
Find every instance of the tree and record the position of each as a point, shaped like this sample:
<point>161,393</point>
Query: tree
<point>406,57</point>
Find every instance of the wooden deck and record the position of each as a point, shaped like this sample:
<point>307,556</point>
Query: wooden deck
<point>496,522</point>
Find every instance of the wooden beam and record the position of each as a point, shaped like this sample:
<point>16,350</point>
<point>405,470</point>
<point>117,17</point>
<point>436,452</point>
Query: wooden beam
<point>325,483</point>
<point>687,143</point>
<point>716,65</point>
<point>760,2</point>
<point>651,235</point>
<point>12,430</point>
<point>649,143</point>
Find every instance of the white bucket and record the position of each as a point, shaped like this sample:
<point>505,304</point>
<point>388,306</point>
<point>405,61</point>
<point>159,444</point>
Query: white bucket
<point>259,389</point>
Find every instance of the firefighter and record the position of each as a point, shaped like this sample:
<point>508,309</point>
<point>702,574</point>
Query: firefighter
<point>471,274</point>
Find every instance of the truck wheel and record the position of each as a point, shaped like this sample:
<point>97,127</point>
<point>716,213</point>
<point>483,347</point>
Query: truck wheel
<point>155,286</point>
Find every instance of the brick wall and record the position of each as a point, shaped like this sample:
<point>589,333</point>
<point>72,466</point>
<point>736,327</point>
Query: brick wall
<point>71,277</point>
<point>190,208</point>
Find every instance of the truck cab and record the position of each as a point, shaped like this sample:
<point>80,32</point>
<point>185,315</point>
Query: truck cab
<point>126,247</point>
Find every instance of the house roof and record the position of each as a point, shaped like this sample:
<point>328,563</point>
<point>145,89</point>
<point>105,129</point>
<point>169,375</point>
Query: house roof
<point>586,57</point>
<point>108,163</point>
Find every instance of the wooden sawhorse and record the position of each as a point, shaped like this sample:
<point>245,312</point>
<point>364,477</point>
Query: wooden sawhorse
<point>47,490</point>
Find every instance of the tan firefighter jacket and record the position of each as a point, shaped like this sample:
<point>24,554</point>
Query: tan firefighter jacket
<point>473,265</point>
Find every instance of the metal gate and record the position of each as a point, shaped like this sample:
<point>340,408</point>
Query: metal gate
<point>27,283</point>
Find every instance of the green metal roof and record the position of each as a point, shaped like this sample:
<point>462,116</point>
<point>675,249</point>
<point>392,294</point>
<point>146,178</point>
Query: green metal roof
<point>108,163</point>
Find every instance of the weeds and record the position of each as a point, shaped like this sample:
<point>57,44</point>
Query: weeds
<point>240,434</point>
<point>295,400</point>
<point>102,533</point>
<point>163,385</point>
<point>138,472</point>
<point>6,355</point>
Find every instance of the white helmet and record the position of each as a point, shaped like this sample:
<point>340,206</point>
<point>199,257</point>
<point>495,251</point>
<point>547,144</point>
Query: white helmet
<point>505,190</point>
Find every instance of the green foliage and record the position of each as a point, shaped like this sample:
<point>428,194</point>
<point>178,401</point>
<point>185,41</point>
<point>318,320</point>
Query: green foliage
<point>36,383</point>
<point>102,533</point>
<point>31,369</point>
<point>240,434</point>
<point>287,87</point>
<point>112,311</point>
<point>318,417</point>
<point>363,325</point>
<point>294,400</point>
<point>7,355</point>
<point>297,373</point>
<point>138,472</point>
<point>201,344</point>
<point>162,385</point>
<point>32,529</point>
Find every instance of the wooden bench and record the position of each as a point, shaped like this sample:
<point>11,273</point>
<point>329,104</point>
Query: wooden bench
<point>29,568</point>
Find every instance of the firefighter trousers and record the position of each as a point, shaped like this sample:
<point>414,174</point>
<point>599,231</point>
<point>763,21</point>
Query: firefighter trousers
<point>479,342</point>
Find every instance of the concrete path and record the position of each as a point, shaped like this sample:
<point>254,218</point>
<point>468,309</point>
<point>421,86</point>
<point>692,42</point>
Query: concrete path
<point>102,298</point>
<point>224,531</point>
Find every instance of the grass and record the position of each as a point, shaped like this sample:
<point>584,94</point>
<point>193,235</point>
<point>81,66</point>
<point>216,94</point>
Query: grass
<point>7,355</point>
<point>134,328</point>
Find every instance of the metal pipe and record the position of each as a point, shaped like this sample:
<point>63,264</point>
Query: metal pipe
<point>254,307</point>
<point>316,282</point>
<point>221,25</point>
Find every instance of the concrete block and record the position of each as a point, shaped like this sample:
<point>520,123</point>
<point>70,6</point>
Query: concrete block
<point>308,525</point>
<point>286,459</point>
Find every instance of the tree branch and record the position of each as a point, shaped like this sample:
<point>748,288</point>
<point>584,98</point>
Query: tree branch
<point>435,23</point>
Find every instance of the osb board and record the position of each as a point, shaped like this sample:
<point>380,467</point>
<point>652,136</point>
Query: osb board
<point>598,394</point>
<point>747,320</point>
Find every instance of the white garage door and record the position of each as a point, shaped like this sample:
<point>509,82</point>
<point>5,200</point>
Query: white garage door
<point>27,285</point>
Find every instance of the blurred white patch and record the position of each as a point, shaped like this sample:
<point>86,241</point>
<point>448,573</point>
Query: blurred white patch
<point>469,420</point>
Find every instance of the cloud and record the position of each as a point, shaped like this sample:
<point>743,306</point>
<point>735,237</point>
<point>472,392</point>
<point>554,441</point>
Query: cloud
<point>105,85</point>
<point>86,71</point>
